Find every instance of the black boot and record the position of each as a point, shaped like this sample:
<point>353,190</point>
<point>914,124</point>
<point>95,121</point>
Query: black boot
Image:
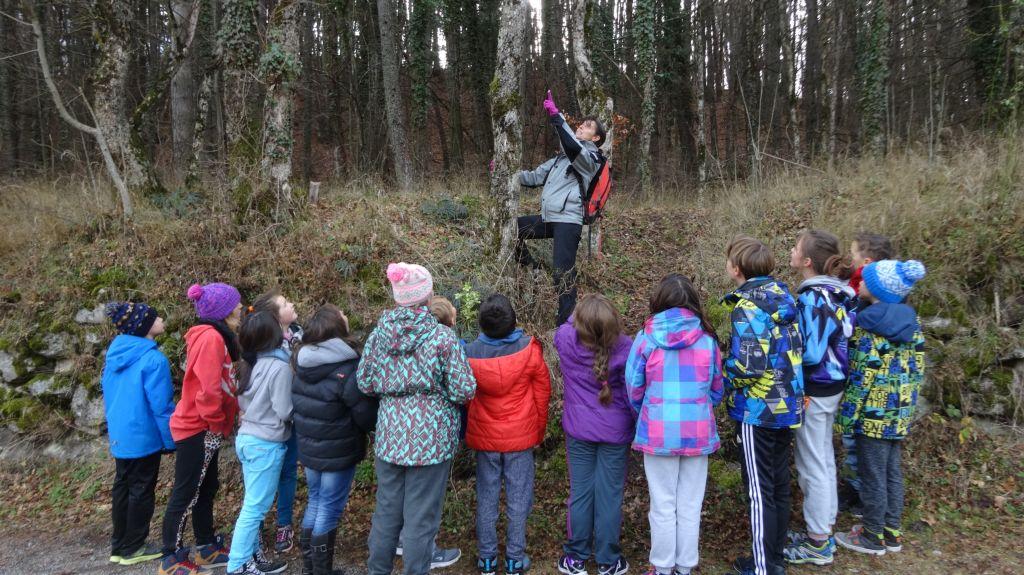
<point>323,554</point>
<point>307,552</point>
<point>332,537</point>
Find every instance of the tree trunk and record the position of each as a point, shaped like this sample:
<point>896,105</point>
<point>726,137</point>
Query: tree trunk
<point>506,103</point>
<point>592,98</point>
<point>812,79</point>
<point>643,29</point>
<point>8,98</point>
<point>398,138</point>
<point>700,88</point>
<point>183,94</point>
<point>281,68</point>
<point>838,46</point>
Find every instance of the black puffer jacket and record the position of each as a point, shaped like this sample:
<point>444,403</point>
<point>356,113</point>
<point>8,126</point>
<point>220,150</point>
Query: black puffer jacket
<point>332,417</point>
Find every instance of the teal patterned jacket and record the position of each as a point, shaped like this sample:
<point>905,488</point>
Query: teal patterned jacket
<point>421,375</point>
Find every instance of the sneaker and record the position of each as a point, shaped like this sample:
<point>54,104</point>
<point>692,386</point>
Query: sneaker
<point>618,568</point>
<point>284,540</point>
<point>444,557</point>
<point>250,568</point>
<point>654,571</point>
<point>213,555</point>
<point>487,566</point>
<point>147,552</point>
<point>517,566</point>
<point>862,541</point>
<point>745,566</point>
<point>893,540</point>
<point>572,566</point>
<point>115,558</point>
<point>794,537</point>
<point>266,564</point>
<point>180,564</point>
<point>805,551</point>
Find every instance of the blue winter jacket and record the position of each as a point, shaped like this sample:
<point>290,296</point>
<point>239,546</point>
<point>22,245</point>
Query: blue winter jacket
<point>826,326</point>
<point>138,397</point>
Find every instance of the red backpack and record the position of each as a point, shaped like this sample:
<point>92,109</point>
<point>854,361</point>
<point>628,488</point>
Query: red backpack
<point>595,196</point>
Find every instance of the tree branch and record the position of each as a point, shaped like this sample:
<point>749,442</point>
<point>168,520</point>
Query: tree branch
<point>44,64</point>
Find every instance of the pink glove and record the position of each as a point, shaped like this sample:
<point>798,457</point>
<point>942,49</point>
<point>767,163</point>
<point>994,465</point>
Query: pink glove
<point>549,106</point>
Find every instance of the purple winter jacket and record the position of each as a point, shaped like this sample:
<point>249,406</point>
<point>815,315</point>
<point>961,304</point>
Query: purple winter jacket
<point>583,416</point>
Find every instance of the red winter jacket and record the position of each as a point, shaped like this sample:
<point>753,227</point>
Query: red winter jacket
<point>510,410</point>
<point>208,389</point>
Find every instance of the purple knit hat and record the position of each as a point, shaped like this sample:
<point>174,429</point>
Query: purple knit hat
<point>215,301</point>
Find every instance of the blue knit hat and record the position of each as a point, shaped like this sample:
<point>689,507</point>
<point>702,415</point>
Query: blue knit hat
<point>131,318</point>
<point>891,280</point>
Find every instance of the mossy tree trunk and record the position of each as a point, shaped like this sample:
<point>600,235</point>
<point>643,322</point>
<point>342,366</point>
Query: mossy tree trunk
<point>398,137</point>
<point>643,30</point>
<point>590,94</point>
<point>279,69</point>
<point>506,121</point>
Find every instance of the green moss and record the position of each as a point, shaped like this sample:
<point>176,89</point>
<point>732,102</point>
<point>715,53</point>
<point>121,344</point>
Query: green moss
<point>724,475</point>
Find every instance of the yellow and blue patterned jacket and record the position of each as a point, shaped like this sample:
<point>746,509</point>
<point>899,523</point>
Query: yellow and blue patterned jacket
<point>764,383</point>
<point>886,371</point>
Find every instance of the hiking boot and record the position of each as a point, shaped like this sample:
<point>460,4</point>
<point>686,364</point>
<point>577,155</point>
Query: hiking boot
<point>893,539</point>
<point>806,550</point>
<point>284,541</point>
<point>249,568</point>
<point>862,541</point>
<point>487,565</point>
<point>618,568</point>
<point>212,555</point>
<point>572,566</point>
<point>147,552</point>
<point>180,564</point>
<point>517,566</point>
<point>307,553</point>
<point>442,558</point>
<point>266,564</point>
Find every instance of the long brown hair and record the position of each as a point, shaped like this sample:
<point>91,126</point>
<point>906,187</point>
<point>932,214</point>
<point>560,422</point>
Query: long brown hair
<point>676,290</point>
<point>598,327</point>
<point>822,248</point>
<point>260,332</point>
<point>326,324</point>
<point>268,303</point>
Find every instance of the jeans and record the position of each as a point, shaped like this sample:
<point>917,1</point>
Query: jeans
<point>515,470</point>
<point>409,497</point>
<point>195,486</point>
<point>566,243</point>
<point>133,502</point>
<point>816,465</point>
<point>676,485</point>
<point>881,482</point>
<point>597,476</point>
<point>850,462</point>
<point>328,494</point>
<point>766,452</point>
<point>289,480</point>
<point>261,470</point>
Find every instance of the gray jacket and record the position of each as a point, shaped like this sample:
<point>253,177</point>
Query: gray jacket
<point>267,403</point>
<point>560,202</point>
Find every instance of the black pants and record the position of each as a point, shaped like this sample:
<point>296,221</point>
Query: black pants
<point>566,243</point>
<point>879,462</point>
<point>132,502</point>
<point>766,454</point>
<point>195,486</point>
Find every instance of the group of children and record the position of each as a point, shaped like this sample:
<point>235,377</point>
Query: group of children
<point>838,355</point>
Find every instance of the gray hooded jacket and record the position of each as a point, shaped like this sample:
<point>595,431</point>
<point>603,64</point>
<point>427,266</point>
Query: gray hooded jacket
<point>560,202</point>
<point>267,403</point>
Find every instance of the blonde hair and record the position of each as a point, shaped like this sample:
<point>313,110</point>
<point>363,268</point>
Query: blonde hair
<point>443,310</point>
<point>750,256</point>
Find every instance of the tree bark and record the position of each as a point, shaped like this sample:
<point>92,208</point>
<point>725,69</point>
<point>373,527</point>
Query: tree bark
<point>398,138</point>
<point>506,121</point>
<point>183,92</point>
<point>281,68</point>
<point>643,28</point>
<point>812,79</point>
<point>590,94</point>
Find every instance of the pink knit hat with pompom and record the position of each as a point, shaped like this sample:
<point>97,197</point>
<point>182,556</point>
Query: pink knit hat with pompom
<point>411,284</point>
<point>215,301</point>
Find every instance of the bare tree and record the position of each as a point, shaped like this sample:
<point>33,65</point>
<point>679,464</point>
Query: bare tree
<point>280,68</point>
<point>593,99</point>
<point>183,87</point>
<point>398,138</point>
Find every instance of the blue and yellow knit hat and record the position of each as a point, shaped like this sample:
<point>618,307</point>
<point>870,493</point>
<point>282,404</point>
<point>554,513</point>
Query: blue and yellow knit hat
<point>891,280</point>
<point>131,318</point>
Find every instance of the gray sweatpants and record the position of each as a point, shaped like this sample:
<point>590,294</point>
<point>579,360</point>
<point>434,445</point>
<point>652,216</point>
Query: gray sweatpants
<point>515,470</point>
<point>411,497</point>
<point>676,485</point>
<point>881,482</point>
<point>816,464</point>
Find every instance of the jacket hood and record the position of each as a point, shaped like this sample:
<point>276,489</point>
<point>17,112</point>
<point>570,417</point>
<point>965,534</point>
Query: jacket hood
<point>317,361</point>
<point>125,350</point>
<point>498,375</point>
<point>829,283</point>
<point>403,330</point>
<point>896,322</point>
<point>770,296</point>
<point>675,328</point>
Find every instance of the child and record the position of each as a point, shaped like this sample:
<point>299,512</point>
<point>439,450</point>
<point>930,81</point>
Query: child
<point>674,379</point>
<point>599,427</point>
<point>265,398</point>
<point>443,310</point>
<point>284,311</point>
<point>826,327</point>
<point>332,421</point>
<point>886,370</point>
<point>418,370</point>
<point>138,399</point>
<point>866,248</point>
<point>507,419</point>
<point>764,394</point>
<point>204,416</point>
